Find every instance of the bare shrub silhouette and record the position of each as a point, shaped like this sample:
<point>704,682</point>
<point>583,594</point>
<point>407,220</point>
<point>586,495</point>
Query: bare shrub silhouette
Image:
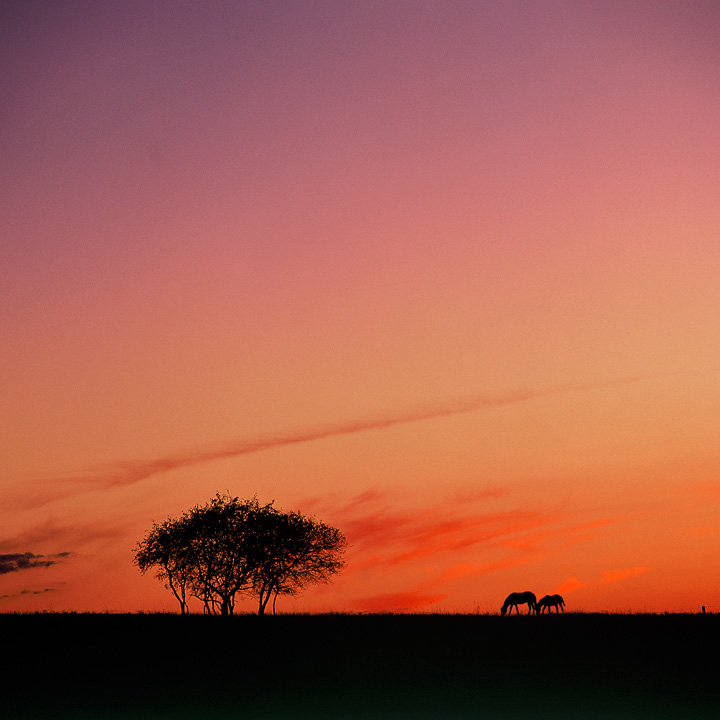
<point>230,547</point>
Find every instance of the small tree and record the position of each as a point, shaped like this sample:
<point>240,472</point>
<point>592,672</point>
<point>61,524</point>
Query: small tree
<point>227,546</point>
<point>230,547</point>
<point>299,551</point>
<point>167,547</point>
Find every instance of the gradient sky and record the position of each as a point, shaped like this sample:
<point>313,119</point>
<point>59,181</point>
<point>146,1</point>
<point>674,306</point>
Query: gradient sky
<point>443,274</point>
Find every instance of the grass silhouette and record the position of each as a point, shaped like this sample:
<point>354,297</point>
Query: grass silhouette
<point>65,665</point>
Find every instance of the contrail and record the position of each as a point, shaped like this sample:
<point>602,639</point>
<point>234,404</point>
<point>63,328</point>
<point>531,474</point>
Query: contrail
<point>132,471</point>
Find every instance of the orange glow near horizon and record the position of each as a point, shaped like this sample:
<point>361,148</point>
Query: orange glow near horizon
<point>442,275</point>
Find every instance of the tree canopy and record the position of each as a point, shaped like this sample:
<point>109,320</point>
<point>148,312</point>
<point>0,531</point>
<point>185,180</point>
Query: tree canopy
<point>231,547</point>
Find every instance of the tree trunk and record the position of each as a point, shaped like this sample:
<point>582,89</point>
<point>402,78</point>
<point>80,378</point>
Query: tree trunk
<point>263,599</point>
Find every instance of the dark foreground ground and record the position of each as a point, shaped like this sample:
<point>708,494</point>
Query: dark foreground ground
<point>347,666</point>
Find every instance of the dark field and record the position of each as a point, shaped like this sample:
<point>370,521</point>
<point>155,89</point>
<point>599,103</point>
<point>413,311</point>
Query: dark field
<point>352,666</point>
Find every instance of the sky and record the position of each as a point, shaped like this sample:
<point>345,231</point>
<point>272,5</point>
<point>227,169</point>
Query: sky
<point>443,275</point>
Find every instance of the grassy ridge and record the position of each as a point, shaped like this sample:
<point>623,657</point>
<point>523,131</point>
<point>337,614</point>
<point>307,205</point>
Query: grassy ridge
<point>352,666</point>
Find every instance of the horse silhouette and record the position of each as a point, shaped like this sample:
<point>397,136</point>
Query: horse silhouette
<point>521,598</point>
<point>550,601</point>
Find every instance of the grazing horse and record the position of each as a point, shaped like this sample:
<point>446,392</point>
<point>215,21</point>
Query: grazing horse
<point>515,599</point>
<point>550,601</point>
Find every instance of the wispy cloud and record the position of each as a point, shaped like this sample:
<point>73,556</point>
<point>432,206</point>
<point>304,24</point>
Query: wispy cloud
<point>393,539</point>
<point>132,471</point>
<point>449,535</point>
<point>613,576</point>
<point>568,585</point>
<point>397,602</point>
<point>54,534</point>
<point>610,576</point>
<point>460,571</point>
<point>383,535</point>
<point>565,535</point>
<point>14,562</point>
<point>27,592</point>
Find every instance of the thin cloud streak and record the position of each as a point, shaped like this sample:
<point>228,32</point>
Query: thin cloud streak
<point>568,585</point>
<point>132,471</point>
<point>27,592</point>
<point>51,532</point>
<point>15,562</point>
<point>398,602</point>
<point>461,571</point>
<point>613,576</point>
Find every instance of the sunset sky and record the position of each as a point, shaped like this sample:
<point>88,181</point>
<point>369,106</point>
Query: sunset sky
<point>445,275</point>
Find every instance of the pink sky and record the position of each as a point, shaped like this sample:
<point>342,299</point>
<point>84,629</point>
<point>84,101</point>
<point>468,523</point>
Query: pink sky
<point>443,274</point>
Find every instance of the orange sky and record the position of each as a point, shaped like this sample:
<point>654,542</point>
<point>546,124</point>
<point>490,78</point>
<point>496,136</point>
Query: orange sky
<point>444,275</point>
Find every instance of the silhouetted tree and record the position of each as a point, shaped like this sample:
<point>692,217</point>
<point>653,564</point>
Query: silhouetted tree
<point>166,547</point>
<point>298,551</point>
<point>230,547</point>
<point>228,538</point>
